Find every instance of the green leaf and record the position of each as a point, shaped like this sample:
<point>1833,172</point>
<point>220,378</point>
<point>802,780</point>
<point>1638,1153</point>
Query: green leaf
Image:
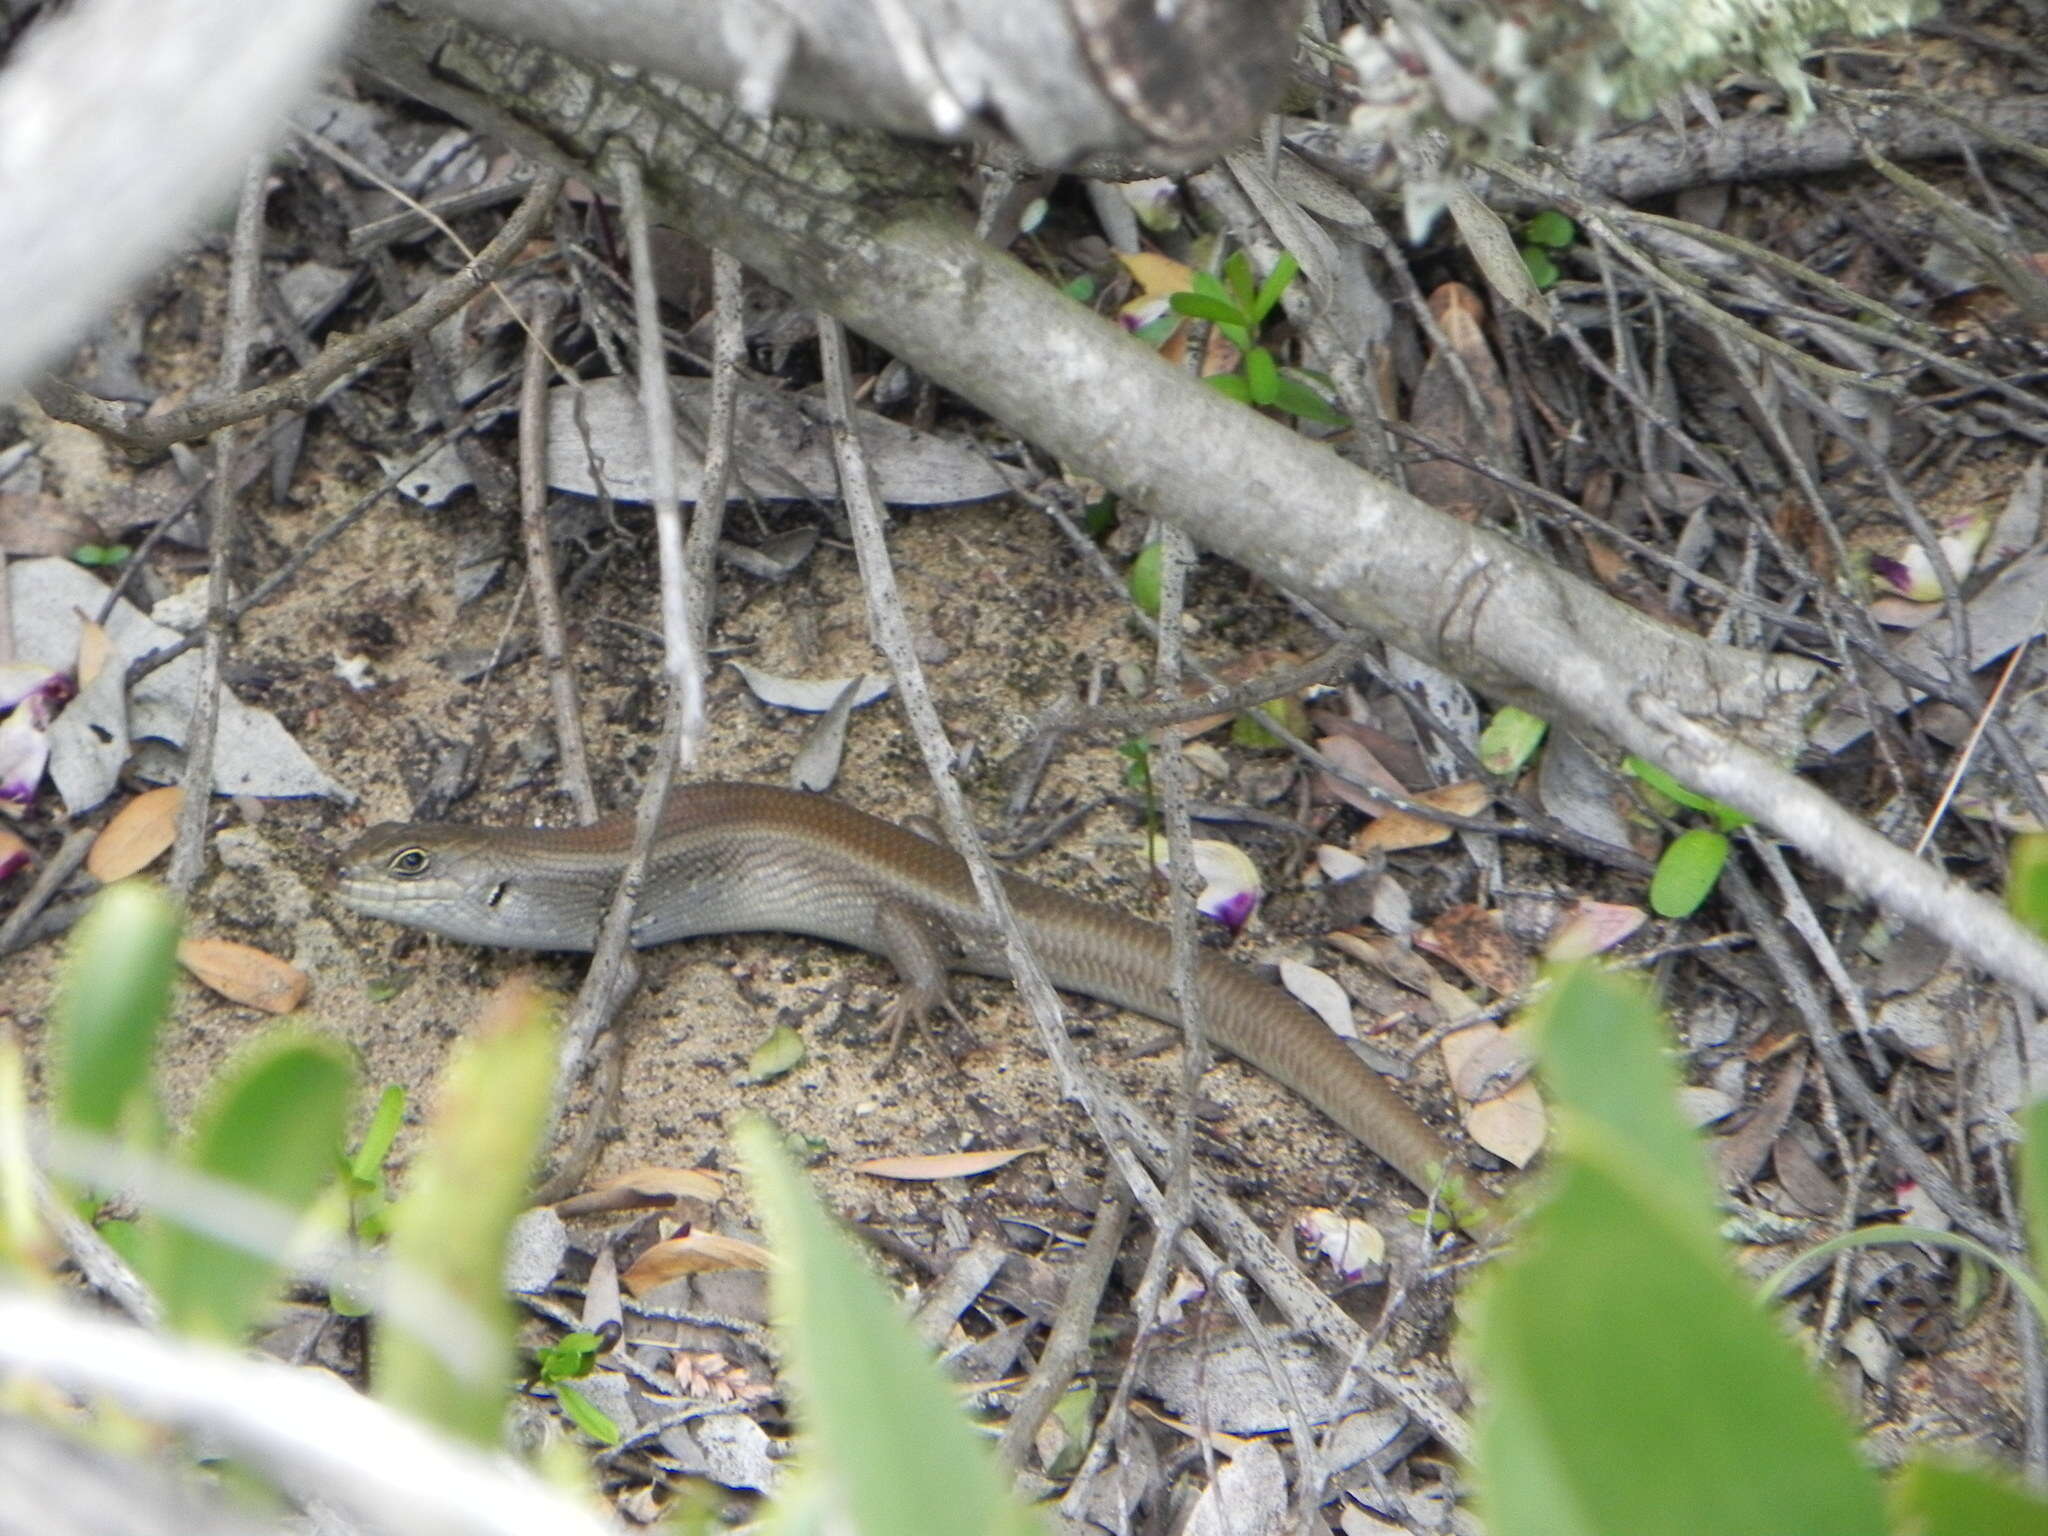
<point>1262,376</point>
<point>367,1166</point>
<point>780,1052</point>
<point>1099,517</point>
<point>1938,1499</point>
<point>2033,1171</point>
<point>1234,385</point>
<point>272,1125</point>
<point>1297,399</point>
<point>1081,290</point>
<point>1686,873</point>
<point>1142,582</point>
<point>468,1182</point>
<point>880,1422</point>
<point>2026,886</point>
<point>1542,270</point>
<point>100,554</point>
<point>1725,816</point>
<point>115,993</point>
<point>1074,1413</point>
<point>1634,1385</point>
<point>1249,728</point>
<point>1274,287</point>
<point>1209,287</point>
<point>1155,333</point>
<point>1238,278</point>
<point>1137,766</point>
<point>570,1356</point>
<point>586,1415</point>
<point>1510,740</point>
<point>1199,306</point>
<point>1550,228</point>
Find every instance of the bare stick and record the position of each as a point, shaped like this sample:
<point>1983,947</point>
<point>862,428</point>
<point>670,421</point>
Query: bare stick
<point>63,864</point>
<point>1969,749</point>
<point>540,562</point>
<point>613,974</point>
<point>684,664</point>
<point>1067,1346</point>
<point>728,339</point>
<point>188,856</point>
<point>1820,1029</point>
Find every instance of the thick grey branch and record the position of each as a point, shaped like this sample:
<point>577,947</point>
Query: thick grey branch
<point>1057,79</point>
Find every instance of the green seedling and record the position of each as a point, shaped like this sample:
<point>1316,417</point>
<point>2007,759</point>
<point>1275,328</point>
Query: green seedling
<point>570,1358</point>
<point>1691,864</point>
<point>1238,306</point>
<point>1544,238</point>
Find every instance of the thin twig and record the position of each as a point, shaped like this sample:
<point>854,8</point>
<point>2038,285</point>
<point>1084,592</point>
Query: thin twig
<point>613,974</point>
<point>1066,1347</point>
<point>62,865</point>
<point>540,563</point>
<point>1067,716</point>
<point>728,346</point>
<point>1969,748</point>
<point>892,635</point>
<point>1849,1083</point>
<point>188,854</point>
<point>683,662</point>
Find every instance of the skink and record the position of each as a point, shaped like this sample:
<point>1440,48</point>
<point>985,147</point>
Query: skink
<point>747,858</point>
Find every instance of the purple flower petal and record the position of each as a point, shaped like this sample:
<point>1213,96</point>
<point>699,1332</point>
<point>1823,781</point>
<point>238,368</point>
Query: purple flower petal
<point>24,751</point>
<point>21,680</point>
<point>1232,886</point>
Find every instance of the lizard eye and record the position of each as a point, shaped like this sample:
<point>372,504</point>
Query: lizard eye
<point>408,862</point>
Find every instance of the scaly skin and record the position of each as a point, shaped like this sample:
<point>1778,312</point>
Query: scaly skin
<point>746,858</point>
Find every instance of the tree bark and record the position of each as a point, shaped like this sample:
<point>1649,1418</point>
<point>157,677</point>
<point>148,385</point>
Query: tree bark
<point>1056,79</point>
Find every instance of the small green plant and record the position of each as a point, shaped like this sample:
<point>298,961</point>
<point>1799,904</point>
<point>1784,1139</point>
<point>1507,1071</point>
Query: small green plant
<point>260,1168</point>
<point>364,1192</point>
<point>101,554</point>
<point>1238,306</point>
<point>570,1358</point>
<point>362,1172</point>
<point>1691,863</point>
<point>1544,238</point>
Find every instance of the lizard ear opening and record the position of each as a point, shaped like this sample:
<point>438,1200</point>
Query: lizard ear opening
<point>408,863</point>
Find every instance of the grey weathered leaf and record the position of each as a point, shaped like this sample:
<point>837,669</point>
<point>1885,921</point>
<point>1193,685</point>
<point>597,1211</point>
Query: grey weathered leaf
<point>911,468</point>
